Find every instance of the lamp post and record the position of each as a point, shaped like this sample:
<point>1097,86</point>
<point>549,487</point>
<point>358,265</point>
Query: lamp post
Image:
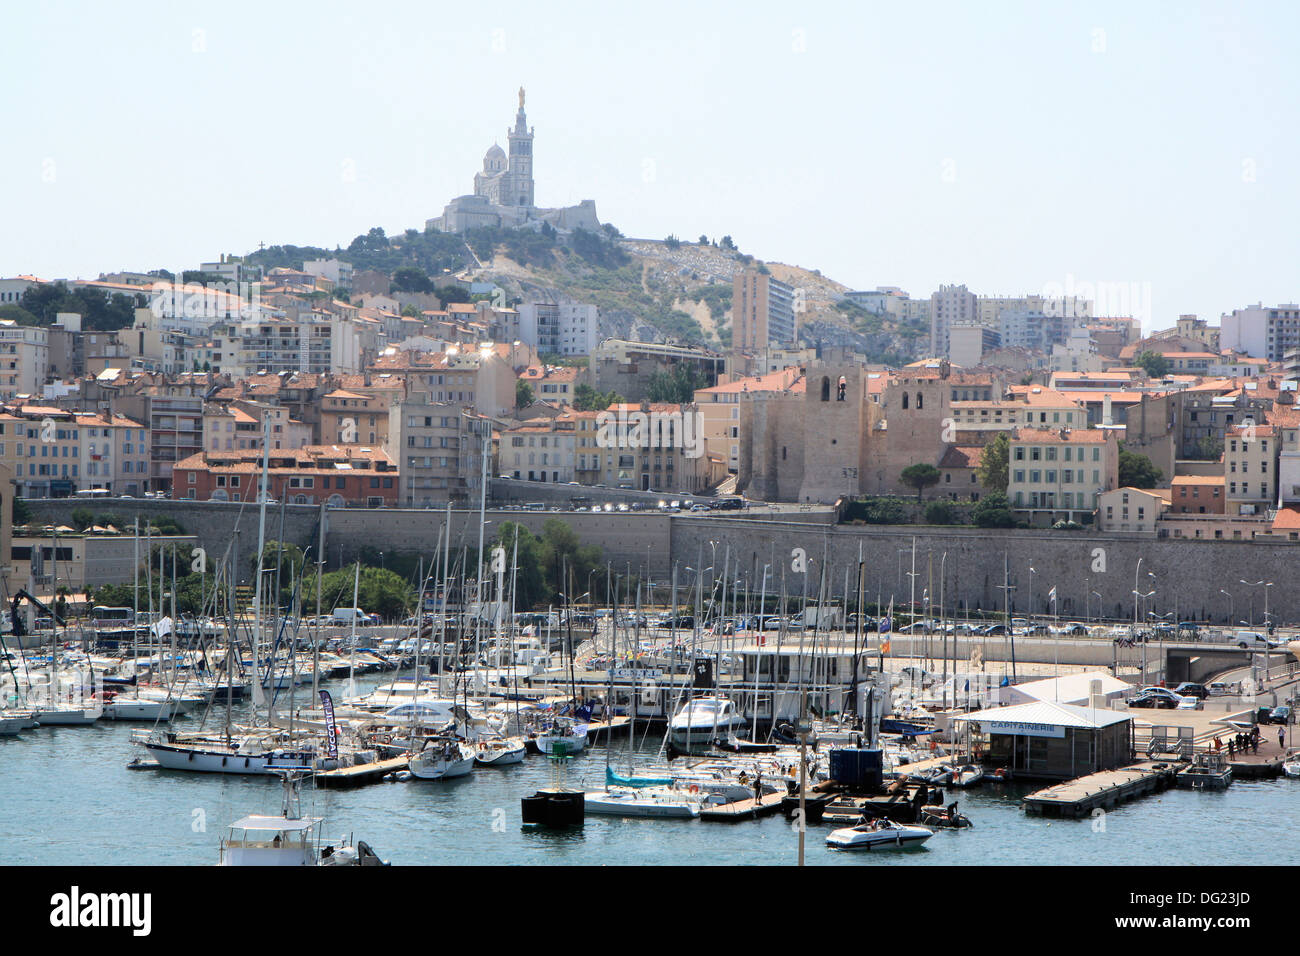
<point>1232,614</point>
<point>1252,586</point>
<point>1098,593</point>
<point>1032,572</point>
<point>1137,596</point>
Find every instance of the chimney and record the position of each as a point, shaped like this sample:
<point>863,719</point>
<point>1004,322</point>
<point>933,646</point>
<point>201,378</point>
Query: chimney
<point>1106,414</point>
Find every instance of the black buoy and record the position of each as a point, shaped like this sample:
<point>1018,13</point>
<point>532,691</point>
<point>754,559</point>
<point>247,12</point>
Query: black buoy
<point>555,808</point>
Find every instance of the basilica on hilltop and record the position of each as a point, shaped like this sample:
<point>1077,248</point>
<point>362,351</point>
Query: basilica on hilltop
<point>503,192</point>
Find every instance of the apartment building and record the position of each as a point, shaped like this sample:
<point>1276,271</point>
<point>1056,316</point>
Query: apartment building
<point>1059,473</point>
<point>339,475</point>
<point>762,312</point>
<point>440,447</point>
<point>1261,332</point>
<point>24,359</point>
<point>559,328</point>
<point>1250,456</point>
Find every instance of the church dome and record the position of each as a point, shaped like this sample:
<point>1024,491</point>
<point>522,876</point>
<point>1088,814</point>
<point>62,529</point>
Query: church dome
<point>494,161</point>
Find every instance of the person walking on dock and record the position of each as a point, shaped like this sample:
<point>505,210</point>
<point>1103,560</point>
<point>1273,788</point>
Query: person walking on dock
<point>1232,747</point>
<point>1281,738</point>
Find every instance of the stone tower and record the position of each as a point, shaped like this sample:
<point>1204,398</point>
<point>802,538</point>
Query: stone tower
<point>834,425</point>
<point>518,187</point>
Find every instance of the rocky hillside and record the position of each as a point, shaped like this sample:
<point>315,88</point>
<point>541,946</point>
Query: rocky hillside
<point>647,290</point>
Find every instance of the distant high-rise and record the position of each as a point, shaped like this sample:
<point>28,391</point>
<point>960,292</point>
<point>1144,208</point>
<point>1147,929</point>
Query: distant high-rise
<point>762,312</point>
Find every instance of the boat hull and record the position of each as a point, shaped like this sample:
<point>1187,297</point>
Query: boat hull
<point>201,760</point>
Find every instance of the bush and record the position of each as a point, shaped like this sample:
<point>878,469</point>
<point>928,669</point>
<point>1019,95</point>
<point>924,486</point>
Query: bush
<point>939,512</point>
<point>993,511</point>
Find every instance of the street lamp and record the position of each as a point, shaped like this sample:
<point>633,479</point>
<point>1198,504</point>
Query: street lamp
<point>1032,572</point>
<point>1252,587</point>
<point>1231,612</point>
<point>1098,593</point>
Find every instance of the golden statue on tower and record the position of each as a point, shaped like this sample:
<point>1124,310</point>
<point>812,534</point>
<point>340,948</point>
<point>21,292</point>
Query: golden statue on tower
<point>521,97</point>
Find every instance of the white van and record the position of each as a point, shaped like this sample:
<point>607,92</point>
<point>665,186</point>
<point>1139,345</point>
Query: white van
<point>346,615</point>
<point>1253,640</point>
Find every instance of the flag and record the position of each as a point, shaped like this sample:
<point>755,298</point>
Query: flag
<point>884,648</point>
<point>332,734</point>
<point>1051,595</point>
<point>968,685</point>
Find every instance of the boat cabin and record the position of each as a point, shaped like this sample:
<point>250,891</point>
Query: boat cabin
<point>271,841</point>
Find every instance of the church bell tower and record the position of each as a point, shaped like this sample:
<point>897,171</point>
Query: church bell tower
<point>519,191</point>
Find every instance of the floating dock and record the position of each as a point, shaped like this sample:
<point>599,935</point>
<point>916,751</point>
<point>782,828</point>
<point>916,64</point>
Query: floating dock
<point>361,774</point>
<point>749,809</point>
<point>1105,790</point>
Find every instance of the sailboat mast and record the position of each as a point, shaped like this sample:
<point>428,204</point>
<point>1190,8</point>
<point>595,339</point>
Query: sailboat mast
<point>261,543</point>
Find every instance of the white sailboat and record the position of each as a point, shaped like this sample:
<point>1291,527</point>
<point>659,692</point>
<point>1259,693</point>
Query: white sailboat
<point>702,721</point>
<point>441,759</point>
<point>643,802</point>
<point>499,751</point>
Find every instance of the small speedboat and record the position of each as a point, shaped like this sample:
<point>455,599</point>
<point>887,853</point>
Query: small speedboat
<point>945,818</point>
<point>879,834</point>
<point>1291,766</point>
<point>967,775</point>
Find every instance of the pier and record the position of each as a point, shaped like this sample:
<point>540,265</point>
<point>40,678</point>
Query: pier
<point>361,774</point>
<point>1105,790</point>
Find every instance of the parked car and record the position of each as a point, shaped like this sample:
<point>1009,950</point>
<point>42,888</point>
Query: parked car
<point>1280,715</point>
<point>1156,701</point>
<point>1191,703</point>
<point>1219,688</point>
<point>1188,689</point>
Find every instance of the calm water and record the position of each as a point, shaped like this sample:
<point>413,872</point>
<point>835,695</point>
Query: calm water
<point>68,798</point>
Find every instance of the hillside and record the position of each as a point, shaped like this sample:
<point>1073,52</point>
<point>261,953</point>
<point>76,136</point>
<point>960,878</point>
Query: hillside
<point>647,290</point>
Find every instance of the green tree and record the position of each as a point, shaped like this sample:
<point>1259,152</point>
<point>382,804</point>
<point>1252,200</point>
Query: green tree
<point>677,386</point>
<point>587,399</point>
<point>1137,471</point>
<point>20,511</point>
<point>993,511</point>
<point>531,586</point>
<point>290,560</point>
<point>411,279</point>
<point>672,242</point>
<point>523,394</point>
<point>920,476</point>
<point>380,591</point>
<point>410,311</point>
<point>1153,363</point>
<point>992,470</point>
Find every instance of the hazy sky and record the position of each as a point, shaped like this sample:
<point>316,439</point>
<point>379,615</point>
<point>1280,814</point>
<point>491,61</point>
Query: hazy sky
<point>1013,147</point>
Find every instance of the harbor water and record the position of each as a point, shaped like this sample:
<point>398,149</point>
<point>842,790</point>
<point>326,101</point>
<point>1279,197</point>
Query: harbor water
<point>69,799</point>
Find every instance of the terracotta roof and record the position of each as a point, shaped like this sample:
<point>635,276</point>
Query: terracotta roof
<point>1287,519</point>
<point>961,456</point>
<point>1072,435</point>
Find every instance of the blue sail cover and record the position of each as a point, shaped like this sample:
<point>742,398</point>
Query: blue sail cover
<point>613,779</point>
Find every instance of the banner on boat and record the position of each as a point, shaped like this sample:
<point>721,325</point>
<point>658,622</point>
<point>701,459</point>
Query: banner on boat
<point>327,707</point>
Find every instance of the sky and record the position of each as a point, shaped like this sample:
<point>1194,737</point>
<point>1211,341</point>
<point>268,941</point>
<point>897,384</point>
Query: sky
<point>1140,150</point>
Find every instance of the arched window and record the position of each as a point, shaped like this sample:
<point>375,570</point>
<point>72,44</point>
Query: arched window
<point>826,389</point>
<point>905,400</point>
<point>841,389</point>
<point>920,401</point>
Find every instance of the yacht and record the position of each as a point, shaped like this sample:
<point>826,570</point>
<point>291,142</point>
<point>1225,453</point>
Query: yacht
<point>702,721</point>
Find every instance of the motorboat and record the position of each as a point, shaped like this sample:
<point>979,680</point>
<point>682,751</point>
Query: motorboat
<point>441,759</point>
<point>702,721</point>
<point>881,834</point>
<point>1291,766</point>
<point>944,818</point>
<point>499,751</point>
<point>661,802</point>
<point>967,775</point>
<point>1207,771</point>
<point>289,839</point>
